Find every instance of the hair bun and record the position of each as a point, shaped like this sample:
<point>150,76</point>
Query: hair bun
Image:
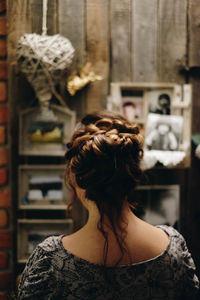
<point>105,157</point>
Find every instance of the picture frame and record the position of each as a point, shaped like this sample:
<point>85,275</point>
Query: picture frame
<point>159,204</point>
<point>133,105</point>
<point>164,132</point>
<point>49,137</point>
<point>179,104</point>
<point>33,231</point>
<point>146,94</point>
<point>42,187</point>
<point>160,100</point>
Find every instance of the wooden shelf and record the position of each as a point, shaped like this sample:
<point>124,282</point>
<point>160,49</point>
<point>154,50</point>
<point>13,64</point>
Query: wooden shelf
<point>25,172</point>
<point>29,116</point>
<point>31,232</point>
<point>45,221</point>
<point>22,261</point>
<point>43,207</point>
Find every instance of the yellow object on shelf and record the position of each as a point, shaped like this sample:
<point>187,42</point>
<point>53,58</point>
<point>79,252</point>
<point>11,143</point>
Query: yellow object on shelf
<point>53,136</point>
<point>79,80</point>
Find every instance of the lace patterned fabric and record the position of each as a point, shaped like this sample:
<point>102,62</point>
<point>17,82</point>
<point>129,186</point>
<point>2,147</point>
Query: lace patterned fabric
<point>54,273</point>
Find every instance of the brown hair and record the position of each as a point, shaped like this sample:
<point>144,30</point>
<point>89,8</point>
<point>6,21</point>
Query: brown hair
<point>104,156</point>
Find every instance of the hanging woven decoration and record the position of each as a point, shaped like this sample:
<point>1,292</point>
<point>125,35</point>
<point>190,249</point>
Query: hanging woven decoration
<point>43,59</point>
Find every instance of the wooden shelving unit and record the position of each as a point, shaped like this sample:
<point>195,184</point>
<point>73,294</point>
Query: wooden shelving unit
<point>32,231</point>
<point>41,188</point>
<point>26,173</point>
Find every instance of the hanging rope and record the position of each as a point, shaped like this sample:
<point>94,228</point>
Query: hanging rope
<point>44,17</point>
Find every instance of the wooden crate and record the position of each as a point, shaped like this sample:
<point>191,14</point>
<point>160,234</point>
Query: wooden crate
<point>25,172</point>
<point>32,231</point>
<point>180,105</point>
<point>29,116</point>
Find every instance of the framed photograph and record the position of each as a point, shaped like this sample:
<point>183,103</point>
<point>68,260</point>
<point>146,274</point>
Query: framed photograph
<point>128,99</point>
<point>170,103</point>
<point>136,100</point>
<point>31,232</point>
<point>48,136</point>
<point>159,100</point>
<point>159,205</point>
<point>164,132</point>
<point>132,104</point>
<point>46,132</point>
<point>42,187</point>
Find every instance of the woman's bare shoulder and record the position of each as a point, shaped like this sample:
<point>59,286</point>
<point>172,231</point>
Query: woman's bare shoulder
<point>146,241</point>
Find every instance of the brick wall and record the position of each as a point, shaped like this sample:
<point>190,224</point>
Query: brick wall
<point>5,195</point>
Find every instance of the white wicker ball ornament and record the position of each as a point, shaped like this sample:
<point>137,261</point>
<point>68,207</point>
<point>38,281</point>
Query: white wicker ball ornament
<point>43,59</point>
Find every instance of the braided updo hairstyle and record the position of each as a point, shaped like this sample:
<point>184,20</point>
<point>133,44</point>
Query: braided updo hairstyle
<point>104,157</point>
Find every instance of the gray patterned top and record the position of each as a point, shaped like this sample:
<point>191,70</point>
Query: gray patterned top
<point>53,273</point>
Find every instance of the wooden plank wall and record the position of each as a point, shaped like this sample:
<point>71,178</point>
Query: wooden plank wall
<point>144,34</point>
<point>172,21</point>
<point>125,40</point>
<point>71,23</point>
<point>97,45</point>
<point>120,28</point>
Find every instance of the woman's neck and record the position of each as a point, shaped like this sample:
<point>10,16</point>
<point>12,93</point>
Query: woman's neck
<point>94,218</point>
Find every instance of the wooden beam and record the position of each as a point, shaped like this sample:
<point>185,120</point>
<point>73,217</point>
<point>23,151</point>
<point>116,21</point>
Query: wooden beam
<point>120,20</point>
<point>72,26</point>
<point>97,43</point>
<point>52,17</point>
<point>144,40</point>
<point>19,22</point>
<point>194,33</point>
<point>36,8</point>
<point>37,13</point>
<point>172,39</point>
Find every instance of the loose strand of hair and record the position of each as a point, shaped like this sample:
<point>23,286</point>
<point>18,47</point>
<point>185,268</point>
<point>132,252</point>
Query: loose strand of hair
<point>121,239</point>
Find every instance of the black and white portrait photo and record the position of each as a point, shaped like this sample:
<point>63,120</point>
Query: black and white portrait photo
<point>159,101</point>
<point>163,132</point>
